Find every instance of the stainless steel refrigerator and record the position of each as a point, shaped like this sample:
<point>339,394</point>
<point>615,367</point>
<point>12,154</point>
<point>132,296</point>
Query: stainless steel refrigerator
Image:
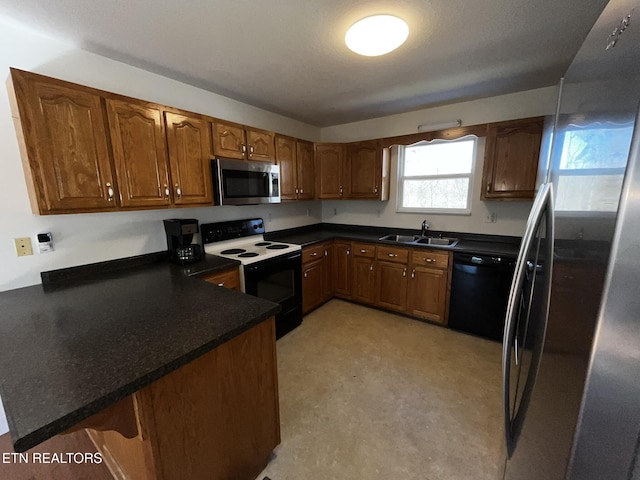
<point>571,347</point>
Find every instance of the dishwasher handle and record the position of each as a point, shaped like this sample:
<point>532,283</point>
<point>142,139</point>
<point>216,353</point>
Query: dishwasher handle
<point>475,259</point>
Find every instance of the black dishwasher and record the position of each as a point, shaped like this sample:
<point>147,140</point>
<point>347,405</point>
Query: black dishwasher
<point>479,293</point>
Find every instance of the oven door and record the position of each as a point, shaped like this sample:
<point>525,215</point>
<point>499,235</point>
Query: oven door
<point>238,182</point>
<point>279,280</point>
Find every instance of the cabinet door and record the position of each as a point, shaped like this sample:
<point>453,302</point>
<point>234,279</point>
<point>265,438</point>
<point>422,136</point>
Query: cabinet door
<point>66,144</point>
<point>329,159</point>
<point>312,285</point>
<point>189,145</point>
<point>327,284</point>
<point>138,141</point>
<point>342,269</point>
<point>305,170</point>
<point>260,145</point>
<point>511,159</point>
<point>228,279</point>
<point>365,170</point>
<point>363,287</point>
<point>286,159</point>
<point>427,294</point>
<point>391,285</point>
<point>228,140</point>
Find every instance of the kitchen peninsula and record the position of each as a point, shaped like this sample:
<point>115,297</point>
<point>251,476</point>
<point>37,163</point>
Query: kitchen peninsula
<point>173,377</point>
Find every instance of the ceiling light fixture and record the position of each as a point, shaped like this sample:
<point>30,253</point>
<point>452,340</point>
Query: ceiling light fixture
<point>433,127</point>
<point>376,35</point>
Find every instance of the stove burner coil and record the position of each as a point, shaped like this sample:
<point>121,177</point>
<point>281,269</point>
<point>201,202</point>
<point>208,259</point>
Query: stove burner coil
<point>233,251</point>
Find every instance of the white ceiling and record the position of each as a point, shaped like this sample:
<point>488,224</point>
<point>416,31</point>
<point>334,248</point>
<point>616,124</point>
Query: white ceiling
<point>289,57</point>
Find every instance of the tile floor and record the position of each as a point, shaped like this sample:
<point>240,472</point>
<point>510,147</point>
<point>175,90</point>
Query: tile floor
<point>366,394</point>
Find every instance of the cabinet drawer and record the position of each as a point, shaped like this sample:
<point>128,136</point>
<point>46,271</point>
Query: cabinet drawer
<point>309,254</point>
<point>393,254</point>
<point>227,278</point>
<point>364,250</point>
<point>430,258</point>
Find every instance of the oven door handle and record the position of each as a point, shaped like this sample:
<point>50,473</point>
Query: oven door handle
<point>252,267</point>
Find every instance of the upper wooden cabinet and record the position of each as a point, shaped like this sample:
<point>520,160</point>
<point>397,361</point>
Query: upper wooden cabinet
<point>295,158</point>
<point>511,159</point>
<point>330,171</point>
<point>189,148</point>
<point>364,165</point>
<point>228,140</point>
<point>85,150</point>
<point>305,167</point>
<point>260,146</point>
<point>236,141</point>
<point>357,170</point>
<point>62,135</point>
<point>138,141</point>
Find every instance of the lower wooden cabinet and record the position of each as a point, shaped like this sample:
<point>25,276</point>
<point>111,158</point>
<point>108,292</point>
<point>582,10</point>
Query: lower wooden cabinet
<point>363,286</point>
<point>429,284</point>
<point>312,290</point>
<point>327,283</point>
<point>317,268</point>
<point>413,281</point>
<point>227,278</point>
<point>391,286</point>
<point>342,269</point>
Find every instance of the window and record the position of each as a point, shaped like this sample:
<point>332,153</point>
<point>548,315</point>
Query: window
<point>436,176</point>
<point>593,159</point>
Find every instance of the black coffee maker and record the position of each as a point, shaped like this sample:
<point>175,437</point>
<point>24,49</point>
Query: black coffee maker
<point>179,237</point>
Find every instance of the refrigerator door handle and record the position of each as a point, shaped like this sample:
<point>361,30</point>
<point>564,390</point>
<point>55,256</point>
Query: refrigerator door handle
<point>538,210</point>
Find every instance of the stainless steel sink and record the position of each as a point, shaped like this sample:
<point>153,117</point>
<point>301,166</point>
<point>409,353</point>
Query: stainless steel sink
<point>400,238</point>
<point>417,239</point>
<point>450,242</point>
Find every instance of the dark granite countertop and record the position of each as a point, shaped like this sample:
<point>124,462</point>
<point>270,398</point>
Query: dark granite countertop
<point>468,243</point>
<point>73,346</point>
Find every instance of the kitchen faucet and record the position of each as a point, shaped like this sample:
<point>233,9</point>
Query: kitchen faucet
<point>425,227</point>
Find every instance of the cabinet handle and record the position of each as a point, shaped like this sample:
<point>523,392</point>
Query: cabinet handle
<point>221,284</point>
<point>392,254</point>
<point>413,273</point>
<point>244,148</point>
<point>371,267</point>
<point>488,187</point>
<point>326,253</point>
<point>340,190</point>
<point>362,250</point>
<point>109,192</point>
<point>375,190</point>
<point>250,149</point>
<point>296,190</point>
<point>301,191</point>
<point>404,272</point>
<point>306,275</point>
<point>178,191</point>
<point>314,254</point>
<point>428,260</point>
<point>348,252</point>
<point>167,192</point>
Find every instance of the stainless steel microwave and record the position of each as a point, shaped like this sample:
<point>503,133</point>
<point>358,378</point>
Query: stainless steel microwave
<point>238,182</point>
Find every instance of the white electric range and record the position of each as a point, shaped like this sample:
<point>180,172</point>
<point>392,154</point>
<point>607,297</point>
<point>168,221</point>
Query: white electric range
<point>270,269</point>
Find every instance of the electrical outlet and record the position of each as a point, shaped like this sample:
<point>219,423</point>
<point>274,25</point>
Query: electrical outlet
<point>491,217</point>
<point>23,246</point>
